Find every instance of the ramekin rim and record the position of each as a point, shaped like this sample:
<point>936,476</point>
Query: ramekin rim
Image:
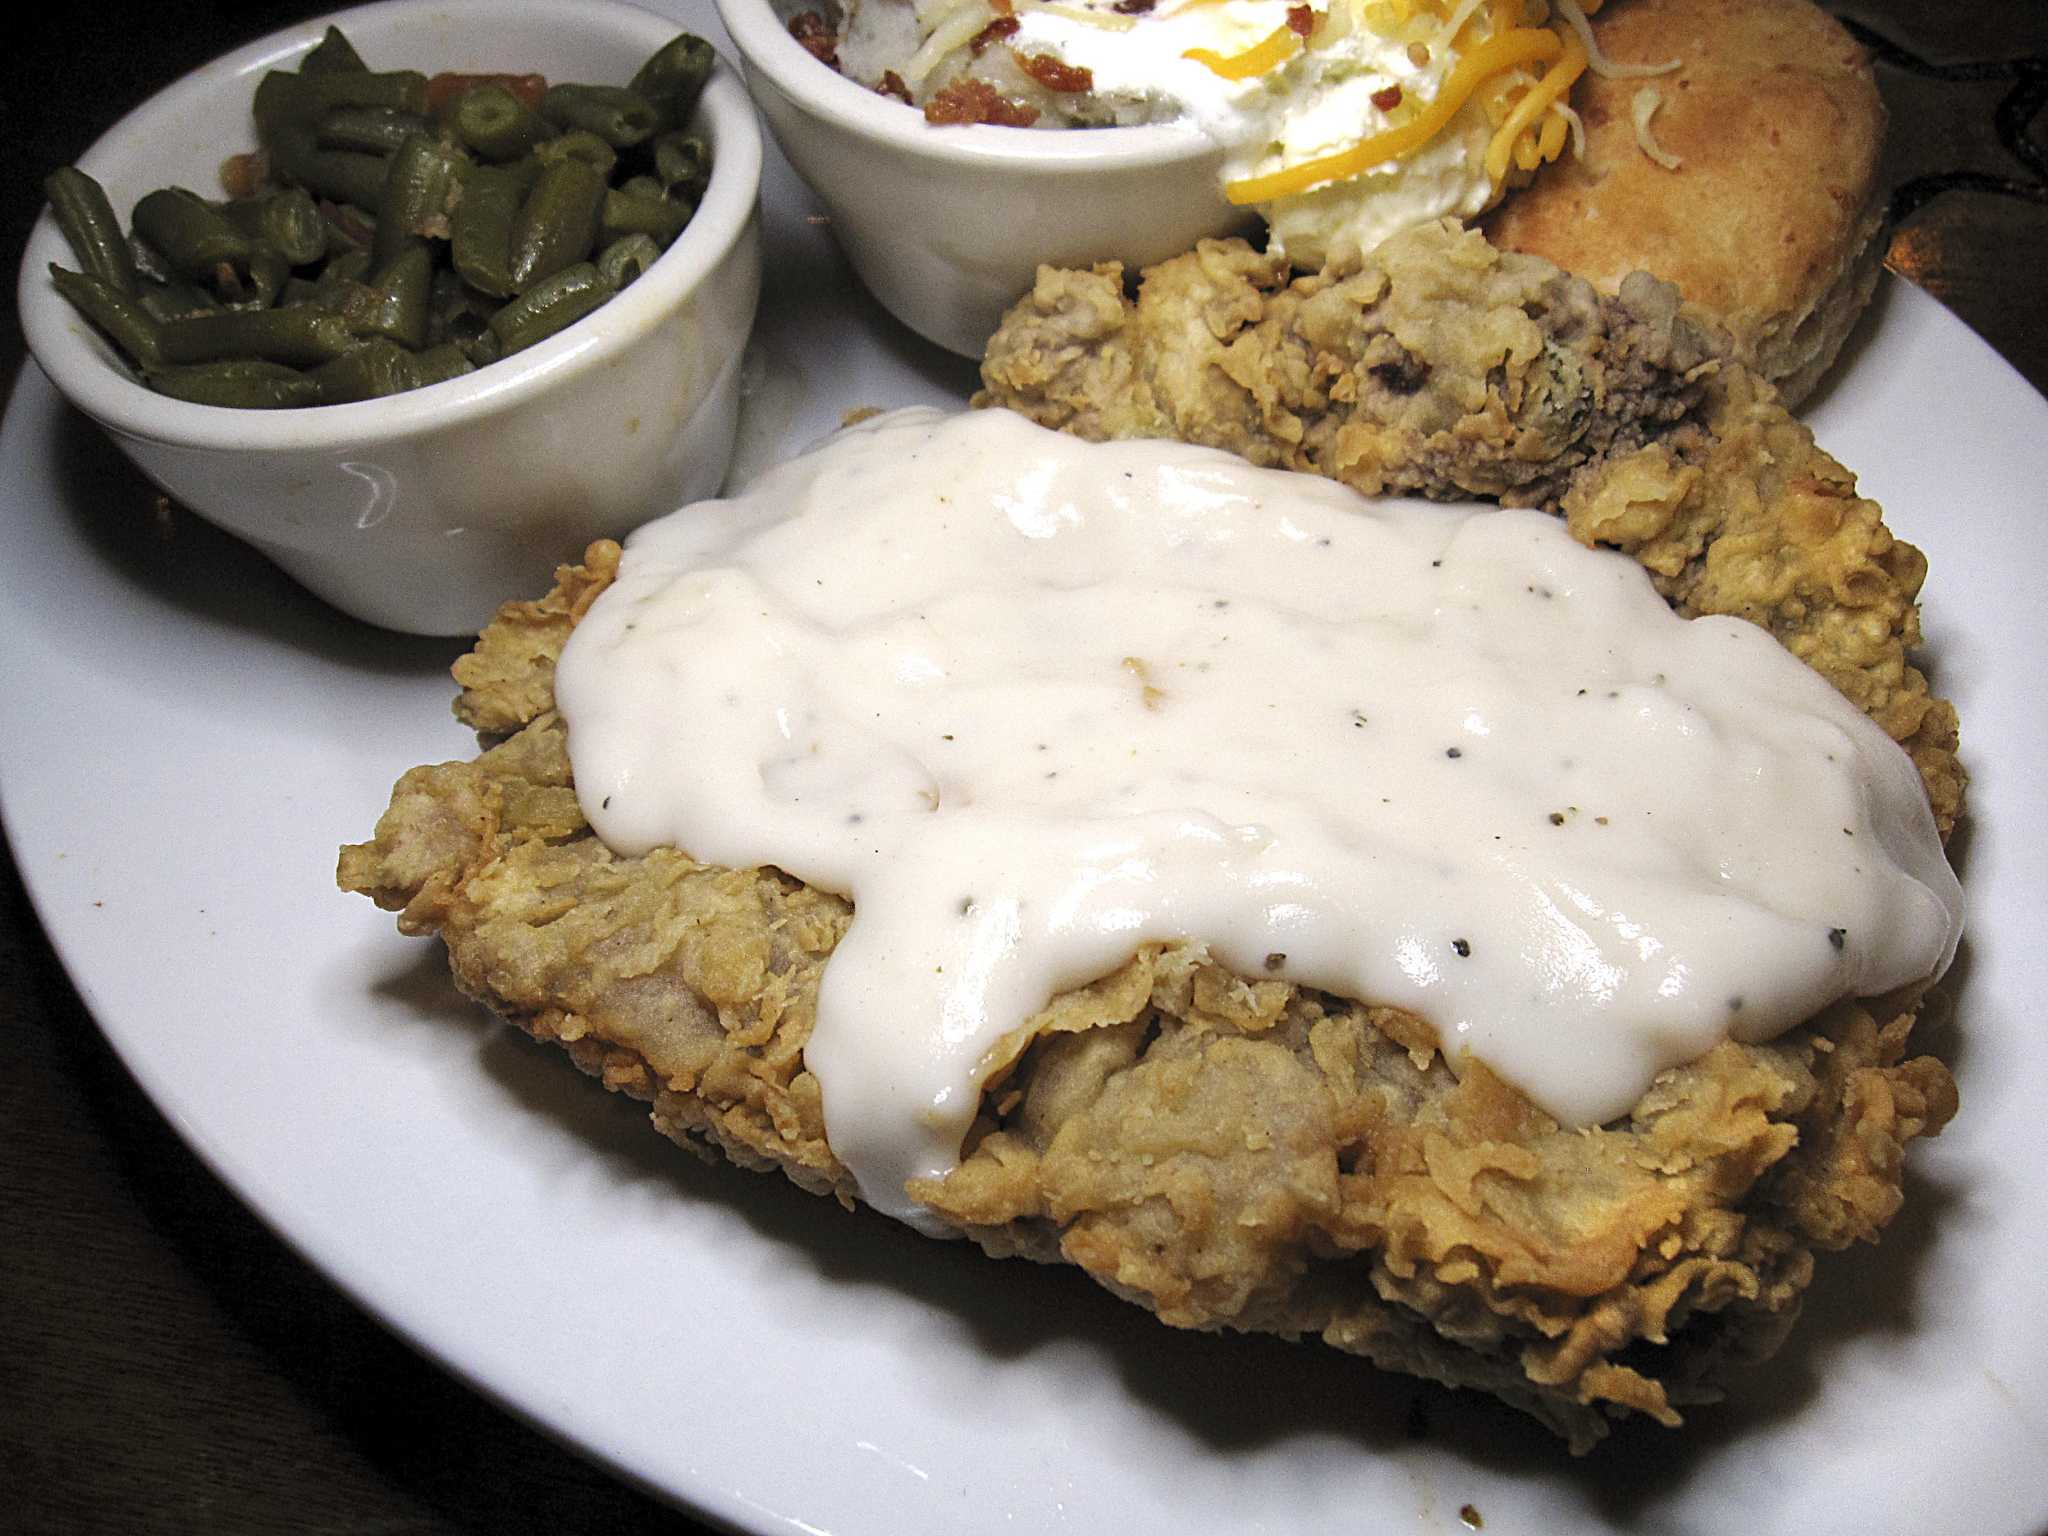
<point>766,47</point>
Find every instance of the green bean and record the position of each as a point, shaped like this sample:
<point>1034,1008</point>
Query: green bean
<point>79,205</point>
<point>380,368</point>
<point>281,104</point>
<point>397,306</point>
<point>195,239</point>
<point>576,144</point>
<point>285,100</point>
<point>287,220</point>
<point>348,267</point>
<point>439,364</point>
<point>485,349</point>
<point>369,371</point>
<point>674,78</point>
<point>364,309</point>
<point>548,307</point>
<point>333,54</point>
<point>625,259</point>
<point>244,384</point>
<point>301,337</point>
<point>372,130</point>
<point>268,271</point>
<point>352,298</point>
<point>340,175</point>
<point>321,279</point>
<point>618,116</point>
<point>625,214</point>
<point>496,125</point>
<point>682,162</point>
<point>403,299</point>
<point>456,312</point>
<point>348,227</point>
<point>481,228</point>
<point>175,300</point>
<point>556,226</point>
<point>126,323</point>
<point>422,183</point>
<point>150,266</point>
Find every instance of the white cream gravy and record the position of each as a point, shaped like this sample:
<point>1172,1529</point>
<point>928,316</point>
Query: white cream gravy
<point>1030,702</point>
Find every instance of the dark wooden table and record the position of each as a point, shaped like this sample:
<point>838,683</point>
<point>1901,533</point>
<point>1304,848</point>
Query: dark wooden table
<point>166,1364</point>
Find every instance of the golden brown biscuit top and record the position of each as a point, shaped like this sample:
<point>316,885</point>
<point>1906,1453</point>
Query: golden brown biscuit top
<point>1775,118</point>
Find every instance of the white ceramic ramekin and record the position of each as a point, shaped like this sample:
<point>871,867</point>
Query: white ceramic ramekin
<point>948,226</point>
<point>424,511</point>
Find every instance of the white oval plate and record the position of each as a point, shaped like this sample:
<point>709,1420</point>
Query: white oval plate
<point>185,739</point>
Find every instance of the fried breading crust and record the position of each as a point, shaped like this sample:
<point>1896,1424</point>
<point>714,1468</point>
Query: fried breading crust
<point>1446,368</point>
<point>1241,1153</point>
<point>1440,367</point>
<point>1228,1152</point>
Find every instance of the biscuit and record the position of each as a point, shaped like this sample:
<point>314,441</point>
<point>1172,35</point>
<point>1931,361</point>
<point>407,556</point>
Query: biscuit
<point>1770,221</point>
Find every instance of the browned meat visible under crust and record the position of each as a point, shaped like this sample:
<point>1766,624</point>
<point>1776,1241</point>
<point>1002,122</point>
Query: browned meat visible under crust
<point>1440,367</point>
<point>1446,368</point>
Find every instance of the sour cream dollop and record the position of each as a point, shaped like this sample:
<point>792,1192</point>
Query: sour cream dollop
<point>1031,702</point>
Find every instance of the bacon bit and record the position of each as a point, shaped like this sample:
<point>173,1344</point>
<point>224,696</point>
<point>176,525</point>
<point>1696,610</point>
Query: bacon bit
<point>994,32</point>
<point>444,90</point>
<point>244,175</point>
<point>892,85</point>
<point>1387,99</point>
<point>1056,74</point>
<point>1301,20</point>
<point>976,101</point>
<point>1133,7</point>
<point>815,35</point>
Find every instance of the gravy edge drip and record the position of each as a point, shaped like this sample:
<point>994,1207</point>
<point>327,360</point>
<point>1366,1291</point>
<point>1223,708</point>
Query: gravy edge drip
<point>1030,702</point>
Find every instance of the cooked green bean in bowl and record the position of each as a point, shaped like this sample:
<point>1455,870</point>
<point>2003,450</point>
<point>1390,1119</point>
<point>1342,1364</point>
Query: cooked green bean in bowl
<point>493,300</point>
<point>394,230</point>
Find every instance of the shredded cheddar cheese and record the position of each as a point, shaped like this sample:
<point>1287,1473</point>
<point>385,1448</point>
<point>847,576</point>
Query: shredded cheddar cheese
<point>953,32</point>
<point>1642,109</point>
<point>1454,25</point>
<point>1575,13</point>
<point>1280,45</point>
<point>1496,55</point>
<point>1577,125</point>
<point>1534,103</point>
<point>1522,69</point>
<point>1107,21</point>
